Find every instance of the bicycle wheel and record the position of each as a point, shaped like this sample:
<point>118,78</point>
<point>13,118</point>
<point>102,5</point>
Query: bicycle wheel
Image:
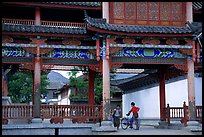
<point>136,124</point>
<point>124,123</point>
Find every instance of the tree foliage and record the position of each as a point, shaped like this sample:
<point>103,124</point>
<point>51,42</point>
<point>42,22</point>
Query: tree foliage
<point>81,84</point>
<point>20,85</point>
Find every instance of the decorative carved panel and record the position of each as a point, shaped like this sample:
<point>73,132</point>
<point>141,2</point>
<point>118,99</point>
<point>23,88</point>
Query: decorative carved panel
<point>153,11</point>
<point>129,41</point>
<point>142,10</point>
<point>71,42</point>
<point>130,10</point>
<point>118,10</point>
<point>151,41</point>
<point>172,42</point>
<point>7,39</point>
<point>177,11</point>
<point>165,11</point>
<point>143,13</point>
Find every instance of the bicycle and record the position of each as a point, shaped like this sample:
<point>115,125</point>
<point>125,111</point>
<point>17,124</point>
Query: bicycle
<point>125,123</point>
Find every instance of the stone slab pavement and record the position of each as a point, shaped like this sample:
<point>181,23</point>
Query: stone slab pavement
<point>149,130</point>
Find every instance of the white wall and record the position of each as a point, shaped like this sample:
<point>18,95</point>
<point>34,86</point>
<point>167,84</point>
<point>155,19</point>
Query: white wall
<point>65,100</point>
<point>148,99</point>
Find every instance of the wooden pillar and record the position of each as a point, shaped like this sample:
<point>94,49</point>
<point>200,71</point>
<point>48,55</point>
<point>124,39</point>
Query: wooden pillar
<point>97,50</point>
<point>106,82</point>
<point>191,91</point>
<point>4,82</point>
<point>37,16</point>
<point>4,85</point>
<point>162,92</point>
<point>198,52</point>
<point>189,11</point>
<point>32,72</point>
<point>91,87</point>
<point>37,72</point>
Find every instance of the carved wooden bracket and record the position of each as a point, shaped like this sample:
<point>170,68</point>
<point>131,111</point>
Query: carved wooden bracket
<point>45,50</point>
<point>33,50</point>
<point>151,41</point>
<point>71,42</point>
<point>37,41</point>
<point>189,42</point>
<point>45,67</point>
<point>128,41</point>
<point>182,67</point>
<point>112,40</point>
<point>28,66</point>
<point>172,42</point>
<point>7,39</point>
<point>115,49</point>
<point>116,66</point>
<point>96,68</point>
<point>186,51</point>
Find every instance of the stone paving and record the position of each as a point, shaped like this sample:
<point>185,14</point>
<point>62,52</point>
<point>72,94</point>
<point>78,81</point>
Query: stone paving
<point>150,130</point>
<point>146,128</point>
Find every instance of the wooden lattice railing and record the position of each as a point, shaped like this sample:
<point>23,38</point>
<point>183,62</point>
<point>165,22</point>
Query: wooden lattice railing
<point>85,112</point>
<point>17,22</point>
<point>17,111</point>
<point>62,24</point>
<point>181,113</point>
<point>71,111</point>
<point>43,23</point>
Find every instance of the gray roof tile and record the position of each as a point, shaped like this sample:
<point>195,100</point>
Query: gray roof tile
<point>89,4</point>
<point>42,29</point>
<point>197,5</point>
<point>101,24</point>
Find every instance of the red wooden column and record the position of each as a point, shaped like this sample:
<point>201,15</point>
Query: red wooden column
<point>191,91</point>
<point>91,87</point>
<point>106,81</point>
<point>32,72</point>
<point>37,16</point>
<point>37,70</point>
<point>37,73</point>
<point>4,82</point>
<point>4,86</point>
<point>162,92</point>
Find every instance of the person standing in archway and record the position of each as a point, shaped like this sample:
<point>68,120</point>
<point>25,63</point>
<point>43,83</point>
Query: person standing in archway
<point>116,116</point>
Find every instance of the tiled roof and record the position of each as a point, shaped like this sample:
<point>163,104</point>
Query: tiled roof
<point>42,29</point>
<point>197,5</point>
<point>101,24</point>
<point>90,4</point>
<point>55,85</point>
<point>196,27</point>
